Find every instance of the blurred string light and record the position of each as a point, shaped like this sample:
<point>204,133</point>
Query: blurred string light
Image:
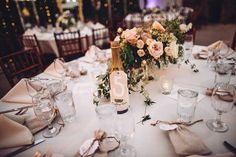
<point>71,1</point>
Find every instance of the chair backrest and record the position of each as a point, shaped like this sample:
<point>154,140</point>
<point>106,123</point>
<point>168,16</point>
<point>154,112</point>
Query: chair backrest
<point>21,64</point>
<point>233,44</point>
<point>101,37</point>
<point>70,45</point>
<point>30,42</point>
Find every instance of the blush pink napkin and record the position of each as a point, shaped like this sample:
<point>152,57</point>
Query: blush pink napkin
<point>13,134</point>
<point>186,142</point>
<point>19,94</point>
<point>52,69</point>
<point>217,155</point>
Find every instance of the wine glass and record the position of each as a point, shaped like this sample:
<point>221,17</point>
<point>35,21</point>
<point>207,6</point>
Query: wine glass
<point>45,111</point>
<point>125,129</point>
<point>34,86</point>
<point>222,100</point>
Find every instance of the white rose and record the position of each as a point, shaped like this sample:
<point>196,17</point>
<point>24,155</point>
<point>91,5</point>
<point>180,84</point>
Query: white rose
<point>172,50</point>
<point>183,28</point>
<point>117,38</point>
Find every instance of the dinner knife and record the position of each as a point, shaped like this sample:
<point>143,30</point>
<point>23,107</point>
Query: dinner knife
<point>16,109</point>
<point>230,147</point>
<point>24,148</point>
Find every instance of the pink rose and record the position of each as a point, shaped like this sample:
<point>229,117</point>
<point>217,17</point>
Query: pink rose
<point>131,35</point>
<point>155,49</point>
<point>156,25</point>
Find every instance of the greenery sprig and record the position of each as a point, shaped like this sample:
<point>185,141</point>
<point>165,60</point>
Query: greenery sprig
<point>193,66</point>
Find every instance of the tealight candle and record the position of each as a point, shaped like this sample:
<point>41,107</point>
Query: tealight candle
<point>166,84</point>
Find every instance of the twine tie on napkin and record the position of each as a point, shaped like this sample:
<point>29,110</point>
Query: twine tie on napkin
<point>96,146</point>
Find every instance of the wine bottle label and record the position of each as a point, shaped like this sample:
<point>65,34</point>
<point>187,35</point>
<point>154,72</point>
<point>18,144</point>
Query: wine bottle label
<point>119,90</point>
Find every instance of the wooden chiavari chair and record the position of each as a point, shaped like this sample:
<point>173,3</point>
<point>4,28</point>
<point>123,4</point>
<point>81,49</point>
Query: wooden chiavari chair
<point>21,64</point>
<point>101,37</point>
<point>71,45</point>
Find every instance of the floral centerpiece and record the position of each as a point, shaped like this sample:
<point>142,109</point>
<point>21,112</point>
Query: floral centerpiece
<point>140,48</point>
<point>66,20</point>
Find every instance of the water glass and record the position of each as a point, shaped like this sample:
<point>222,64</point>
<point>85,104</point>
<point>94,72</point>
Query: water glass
<point>106,115</point>
<point>187,100</point>
<point>166,84</point>
<point>188,45</point>
<point>73,69</point>
<point>223,71</point>
<point>55,86</point>
<point>64,102</point>
<point>125,130</point>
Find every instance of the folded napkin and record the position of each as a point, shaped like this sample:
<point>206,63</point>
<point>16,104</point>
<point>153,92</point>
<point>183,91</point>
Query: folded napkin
<point>13,134</point>
<point>19,93</point>
<point>54,69</point>
<point>31,122</point>
<point>94,54</point>
<point>186,142</point>
<point>99,146</point>
<point>217,46</point>
<point>217,155</point>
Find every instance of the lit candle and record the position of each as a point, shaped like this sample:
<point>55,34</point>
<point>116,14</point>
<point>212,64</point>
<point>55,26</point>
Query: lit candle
<point>166,85</point>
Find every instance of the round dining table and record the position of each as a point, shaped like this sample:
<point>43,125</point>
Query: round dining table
<point>148,141</point>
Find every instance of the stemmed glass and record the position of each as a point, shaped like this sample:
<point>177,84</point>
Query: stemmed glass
<point>45,111</point>
<point>125,129</point>
<point>222,100</point>
<point>34,83</point>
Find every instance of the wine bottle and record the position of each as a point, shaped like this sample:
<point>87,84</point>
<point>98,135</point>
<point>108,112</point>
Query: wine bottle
<point>118,81</point>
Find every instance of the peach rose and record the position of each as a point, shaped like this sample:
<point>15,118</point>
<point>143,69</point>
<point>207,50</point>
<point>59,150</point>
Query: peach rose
<point>156,25</point>
<point>140,53</point>
<point>149,41</point>
<point>131,35</point>
<point>155,49</point>
<point>140,44</point>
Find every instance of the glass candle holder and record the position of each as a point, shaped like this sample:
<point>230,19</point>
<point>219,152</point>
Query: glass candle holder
<point>166,84</point>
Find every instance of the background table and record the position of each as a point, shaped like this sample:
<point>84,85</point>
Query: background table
<point>148,140</point>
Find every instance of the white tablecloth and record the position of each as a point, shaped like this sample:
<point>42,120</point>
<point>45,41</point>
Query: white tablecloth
<point>149,141</point>
<point>48,43</point>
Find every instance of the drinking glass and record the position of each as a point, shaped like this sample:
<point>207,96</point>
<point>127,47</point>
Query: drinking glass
<point>222,100</point>
<point>34,86</point>
<point>73,69</point>
<point>55,86</point>
<point>223,71</point>
<point>106,115</point>
<point>187,100</point>
<point>188,45</point>
<point>125,129</point>
<point>65,103</point>
<point>44,110</point>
